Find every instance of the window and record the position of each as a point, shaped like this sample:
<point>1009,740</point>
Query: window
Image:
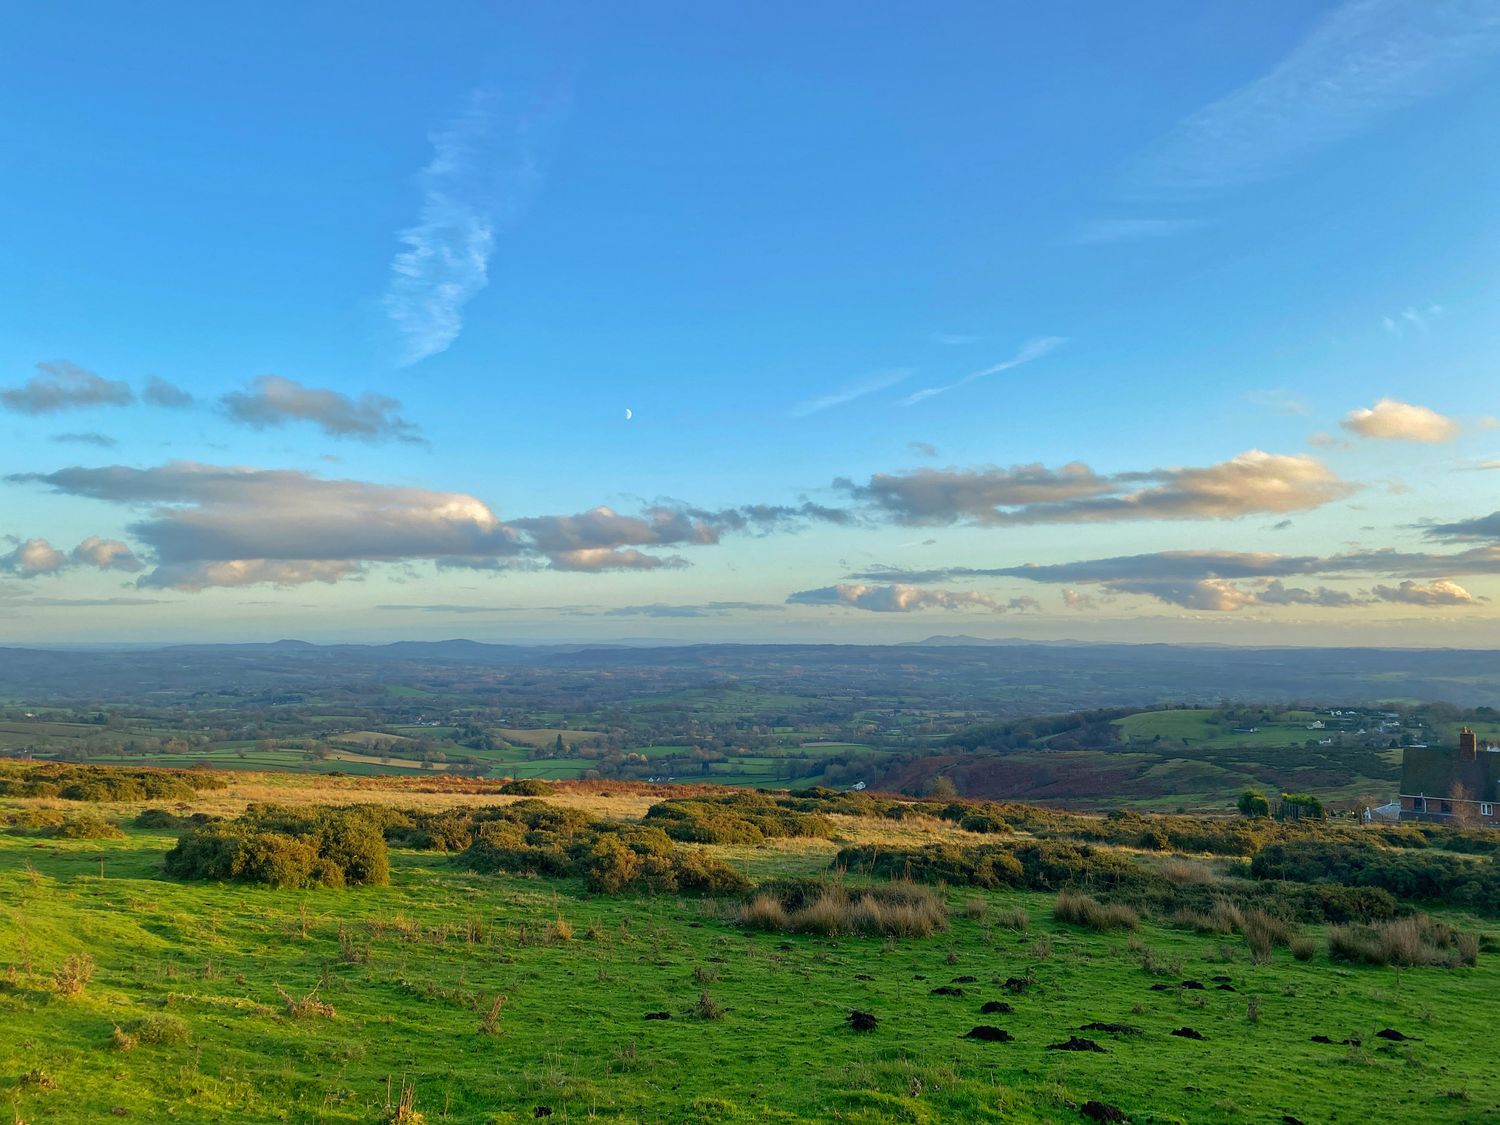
<point>1486,809</point>
<point>1419,804</point>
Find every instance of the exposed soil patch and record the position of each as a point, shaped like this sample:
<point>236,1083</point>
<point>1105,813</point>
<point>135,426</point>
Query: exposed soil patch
<point>1103,1111</point>
<point>862,1021</point>
<point>1395,1036</point>
<point>1017,985</point>
<point>988,1033</point>
<point>993,1007</point>
<point>947,990</point>
<point>1194,984</point>
<point>1112,1028</point>
<point>658,1015</point>
<point>1074,1043</point>
<point>1187,1033</point>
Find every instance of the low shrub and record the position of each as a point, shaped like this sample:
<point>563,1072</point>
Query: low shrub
<point>286,847</point>
<point>527,787</point>
<point>161,1030</point>
<point>85,828</point>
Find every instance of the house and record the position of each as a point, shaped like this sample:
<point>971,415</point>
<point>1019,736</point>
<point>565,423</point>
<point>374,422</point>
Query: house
<point>1316,724</point>
<point>1450,785</point>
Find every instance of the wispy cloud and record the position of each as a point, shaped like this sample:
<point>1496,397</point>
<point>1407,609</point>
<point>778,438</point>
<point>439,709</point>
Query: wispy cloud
<point>1098,232</point>
<point>486,167</point>
<point>1364,59</point>
<point>1278,400</point>
<point>849,392</point>
<point>1033,349</point>
<point>1412,319</point>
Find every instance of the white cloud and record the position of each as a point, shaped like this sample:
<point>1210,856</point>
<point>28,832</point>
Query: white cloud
<point>1392,420</point>
<point>902,599</point>
<point>1253,482</point>
<point>32,558</point>
<point>1442,592</point>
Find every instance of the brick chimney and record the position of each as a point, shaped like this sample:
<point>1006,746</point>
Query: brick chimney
<point>1468,744</point>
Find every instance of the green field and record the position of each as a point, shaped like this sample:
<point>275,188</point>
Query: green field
<point>1197,727</point>
<point>412,971</point>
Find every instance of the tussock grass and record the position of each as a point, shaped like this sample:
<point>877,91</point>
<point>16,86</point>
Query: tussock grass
<point>1084,910</point>
<point>892,909</point>
<point>1414,940</point>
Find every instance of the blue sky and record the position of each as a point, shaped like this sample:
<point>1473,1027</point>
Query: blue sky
<point>322,326</point>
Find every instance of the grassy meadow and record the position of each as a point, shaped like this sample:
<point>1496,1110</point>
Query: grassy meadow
<point>493,997</point>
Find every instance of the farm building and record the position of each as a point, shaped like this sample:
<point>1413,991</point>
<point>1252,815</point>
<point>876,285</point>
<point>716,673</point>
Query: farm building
<point>1452,784</point>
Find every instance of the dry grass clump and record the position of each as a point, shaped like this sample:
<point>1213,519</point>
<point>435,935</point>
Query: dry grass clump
<point>707,1008</point>
<point>74,974</point>
<point>1263,933</point>
<point>1187,872</point>
<point>560,930</point>
<point>891,909</point>
<point>122,1039</point>
<point>308,1007</point>
<point>1084,910</point>
<point>1304,948</point>
<point>1224,917</point>
<point>1013,918</point>
<point>1415,940</point>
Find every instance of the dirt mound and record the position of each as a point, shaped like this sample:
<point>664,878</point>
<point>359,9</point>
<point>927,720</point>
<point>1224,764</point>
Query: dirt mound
<point>658,1015</point>
<point>1103,1111</point>
<point>1074,1043</point>
<point>1112,1028</point>
<point>863,976</point>
<point>1187,1033</point>
<point>1395,1036</point>
<point>1225,988</point>
<point>992,1007</point>
<point>965,980</point>
<point>862,1021</point>
<point>1017,985</point>
<point>1288,1119</point>
<point>1159,987</point>
<point>947,990</point>
<point>1321,1039</point>
<point>990,1034</point>
<point>1195,984</point>
<point>542,1111</point>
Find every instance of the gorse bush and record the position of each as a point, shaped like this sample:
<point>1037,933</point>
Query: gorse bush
<point>736,818</point>
<point>534,838</point>
<point>1422,876</point>
<point>286,847</point>
<point>85,828</point>
<point>527,787</point>
<point>104,783</point>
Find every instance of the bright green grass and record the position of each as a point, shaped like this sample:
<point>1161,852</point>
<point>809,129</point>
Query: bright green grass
<point>572,1037</point>
<point>1290,729</point>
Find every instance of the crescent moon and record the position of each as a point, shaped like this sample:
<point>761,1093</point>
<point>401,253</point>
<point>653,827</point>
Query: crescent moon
<point>629,414</point>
